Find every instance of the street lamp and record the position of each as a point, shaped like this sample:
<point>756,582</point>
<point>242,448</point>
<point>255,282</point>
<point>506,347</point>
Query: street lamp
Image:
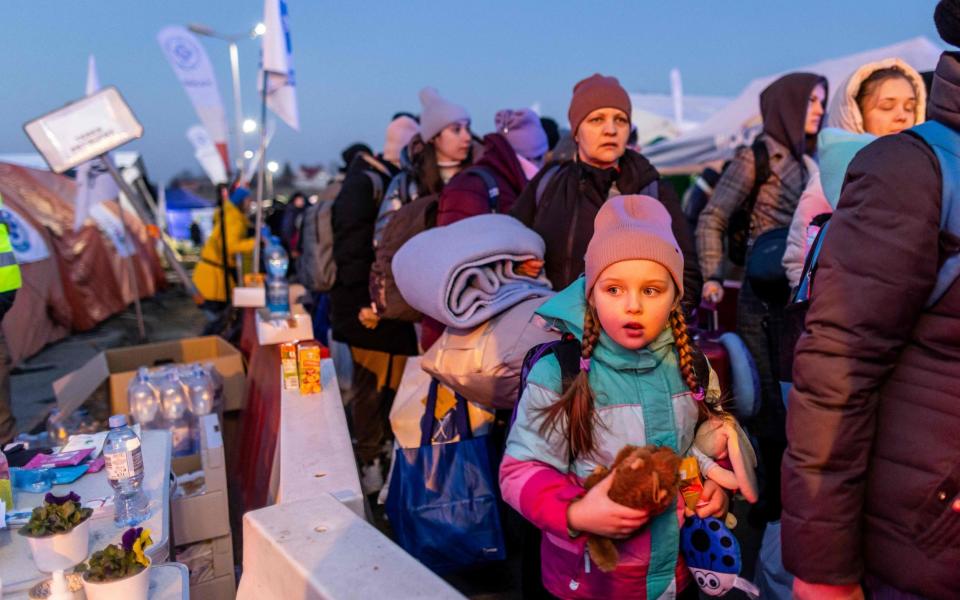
<point>232,40</point>
<point>273,166</point>
<point>248,154</point>
<point>249,125</point>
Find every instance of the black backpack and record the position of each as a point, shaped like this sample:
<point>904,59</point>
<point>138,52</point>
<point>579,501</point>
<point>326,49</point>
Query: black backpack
<point>738,228</point>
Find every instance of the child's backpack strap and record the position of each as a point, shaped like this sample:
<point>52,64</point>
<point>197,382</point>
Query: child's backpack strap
<point>567,351</point>
<point>945,143</point>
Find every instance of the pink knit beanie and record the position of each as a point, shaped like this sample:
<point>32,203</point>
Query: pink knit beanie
<point>629,228</point>
<point>399,133</point>
<point>596,91</point>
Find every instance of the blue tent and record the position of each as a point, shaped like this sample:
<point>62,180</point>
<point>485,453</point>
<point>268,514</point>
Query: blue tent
<point>183,208</point>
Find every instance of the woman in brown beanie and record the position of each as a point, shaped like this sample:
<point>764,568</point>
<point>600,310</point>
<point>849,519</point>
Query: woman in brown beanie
<point>560,203</point>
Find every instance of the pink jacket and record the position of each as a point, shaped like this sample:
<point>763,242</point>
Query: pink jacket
<point>812,203</point>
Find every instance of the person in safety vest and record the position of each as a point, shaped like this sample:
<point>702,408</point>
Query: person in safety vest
<point>9,284</point>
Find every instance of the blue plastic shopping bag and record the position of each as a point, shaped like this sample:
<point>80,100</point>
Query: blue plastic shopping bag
<point>442,502</point>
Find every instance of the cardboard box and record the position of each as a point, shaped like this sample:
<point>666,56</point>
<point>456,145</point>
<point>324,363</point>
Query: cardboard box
<point>252,297</point>
<point>221,588</point>
<point>119,365</point>
<point>203,516</point>
<point>297,328</point>
<point>221,583</point>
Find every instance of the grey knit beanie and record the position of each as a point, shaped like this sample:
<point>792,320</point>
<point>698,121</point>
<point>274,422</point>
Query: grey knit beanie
<point>437,113</point>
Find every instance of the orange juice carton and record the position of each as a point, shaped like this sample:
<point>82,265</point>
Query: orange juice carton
<point>289,366</point>
<point>308,355</point>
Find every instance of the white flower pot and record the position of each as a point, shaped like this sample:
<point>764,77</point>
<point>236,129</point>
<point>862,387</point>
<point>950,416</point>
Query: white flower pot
<point>134,587</point>
<point>61,551</point>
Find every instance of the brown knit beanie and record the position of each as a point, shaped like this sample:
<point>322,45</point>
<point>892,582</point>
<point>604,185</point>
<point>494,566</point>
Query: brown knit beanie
<point>596,91</point>
<point>629,228</point>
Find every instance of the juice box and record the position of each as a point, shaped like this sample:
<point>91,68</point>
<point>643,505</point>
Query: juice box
<point>690,485</point>
<point>288,366</point>
<point>308,355</point>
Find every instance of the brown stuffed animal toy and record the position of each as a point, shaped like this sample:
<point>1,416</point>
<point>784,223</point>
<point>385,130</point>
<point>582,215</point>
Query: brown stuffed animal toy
<point>644,478</point>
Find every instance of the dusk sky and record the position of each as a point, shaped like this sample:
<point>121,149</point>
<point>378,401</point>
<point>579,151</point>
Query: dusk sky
<point>358,63</point>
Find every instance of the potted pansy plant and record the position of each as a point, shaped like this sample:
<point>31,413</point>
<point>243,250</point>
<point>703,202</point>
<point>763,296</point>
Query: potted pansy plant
<point>119,571</point>
<point>58,532</point>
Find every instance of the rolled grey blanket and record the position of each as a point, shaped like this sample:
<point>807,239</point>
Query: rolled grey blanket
<point>463,274</point>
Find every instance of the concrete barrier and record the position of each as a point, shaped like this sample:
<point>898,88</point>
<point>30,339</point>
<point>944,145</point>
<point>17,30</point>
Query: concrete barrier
<point>315,542</point>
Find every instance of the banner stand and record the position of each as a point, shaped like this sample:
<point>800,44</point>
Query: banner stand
<point>168,251</point>
<point>126,234</point>
<point>263,157</point>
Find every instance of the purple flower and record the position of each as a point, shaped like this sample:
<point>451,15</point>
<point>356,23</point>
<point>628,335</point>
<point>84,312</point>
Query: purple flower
<point>61,500</point>
<point>130,536</point>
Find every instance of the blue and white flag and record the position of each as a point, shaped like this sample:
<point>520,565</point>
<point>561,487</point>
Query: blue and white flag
<point>277,57</point>
<point>94,182</point>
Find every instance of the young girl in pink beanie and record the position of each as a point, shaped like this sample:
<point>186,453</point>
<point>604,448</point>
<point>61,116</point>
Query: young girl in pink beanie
<point>637,385</point>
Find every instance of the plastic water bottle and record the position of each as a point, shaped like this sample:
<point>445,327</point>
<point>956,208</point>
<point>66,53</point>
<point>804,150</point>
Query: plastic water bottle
<point>200,389</point>
<point>144,401</point>
<point>217,380</point>
<point>276,258</point>
<point>278,298</point>
<point>278,290</point>
<point>6,489</point>
<point>124,462</point>
<point>175,407</point>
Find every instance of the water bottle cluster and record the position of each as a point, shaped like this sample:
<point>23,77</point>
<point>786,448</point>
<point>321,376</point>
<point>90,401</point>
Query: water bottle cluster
<point>172,398</point>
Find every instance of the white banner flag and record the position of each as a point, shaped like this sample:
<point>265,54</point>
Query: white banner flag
<point>111,226</point>
<point>28,244</point>
<point>192,67</point>
<point>206,154</point>
<point>277,56</point>
<point>94,183</point>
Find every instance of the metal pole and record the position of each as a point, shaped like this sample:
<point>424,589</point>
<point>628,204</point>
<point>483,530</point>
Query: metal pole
<point>237,107</point>
<point>262,168</point>
<point>167,250</point>
<point>126,235</point>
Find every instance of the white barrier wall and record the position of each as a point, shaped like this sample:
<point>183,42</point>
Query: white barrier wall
<point>315,542</point>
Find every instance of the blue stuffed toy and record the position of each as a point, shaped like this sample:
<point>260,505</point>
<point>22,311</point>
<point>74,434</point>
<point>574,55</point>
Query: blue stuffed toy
<point>712,554</point>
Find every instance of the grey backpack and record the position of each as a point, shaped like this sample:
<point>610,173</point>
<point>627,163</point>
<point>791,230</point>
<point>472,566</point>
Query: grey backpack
<point>316,267</point>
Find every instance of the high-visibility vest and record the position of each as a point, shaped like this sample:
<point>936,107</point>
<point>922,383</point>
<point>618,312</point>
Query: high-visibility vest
<point>9,269</point>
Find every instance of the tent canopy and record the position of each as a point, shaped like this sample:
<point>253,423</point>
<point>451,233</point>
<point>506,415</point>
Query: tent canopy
<point>739,121</point>
<point>181,199</point>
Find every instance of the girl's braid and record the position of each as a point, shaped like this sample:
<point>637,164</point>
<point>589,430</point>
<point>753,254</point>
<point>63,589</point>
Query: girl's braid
<point>684,350</point>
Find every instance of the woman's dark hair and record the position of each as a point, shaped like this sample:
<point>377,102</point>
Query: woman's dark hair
<point>426,170</point>
<point>869,86</point>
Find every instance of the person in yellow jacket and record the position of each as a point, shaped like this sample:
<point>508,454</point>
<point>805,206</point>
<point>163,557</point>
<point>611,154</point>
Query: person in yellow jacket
<point>208,275</point>
<point>9,284</point>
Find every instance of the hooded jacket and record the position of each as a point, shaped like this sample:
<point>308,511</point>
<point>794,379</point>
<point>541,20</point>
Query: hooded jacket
<point>640,398</point>
<point>353,216</point>
<point>783,106</point>
<point>873,463</point>
<point>569,204</point>
<point>836,146</point>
